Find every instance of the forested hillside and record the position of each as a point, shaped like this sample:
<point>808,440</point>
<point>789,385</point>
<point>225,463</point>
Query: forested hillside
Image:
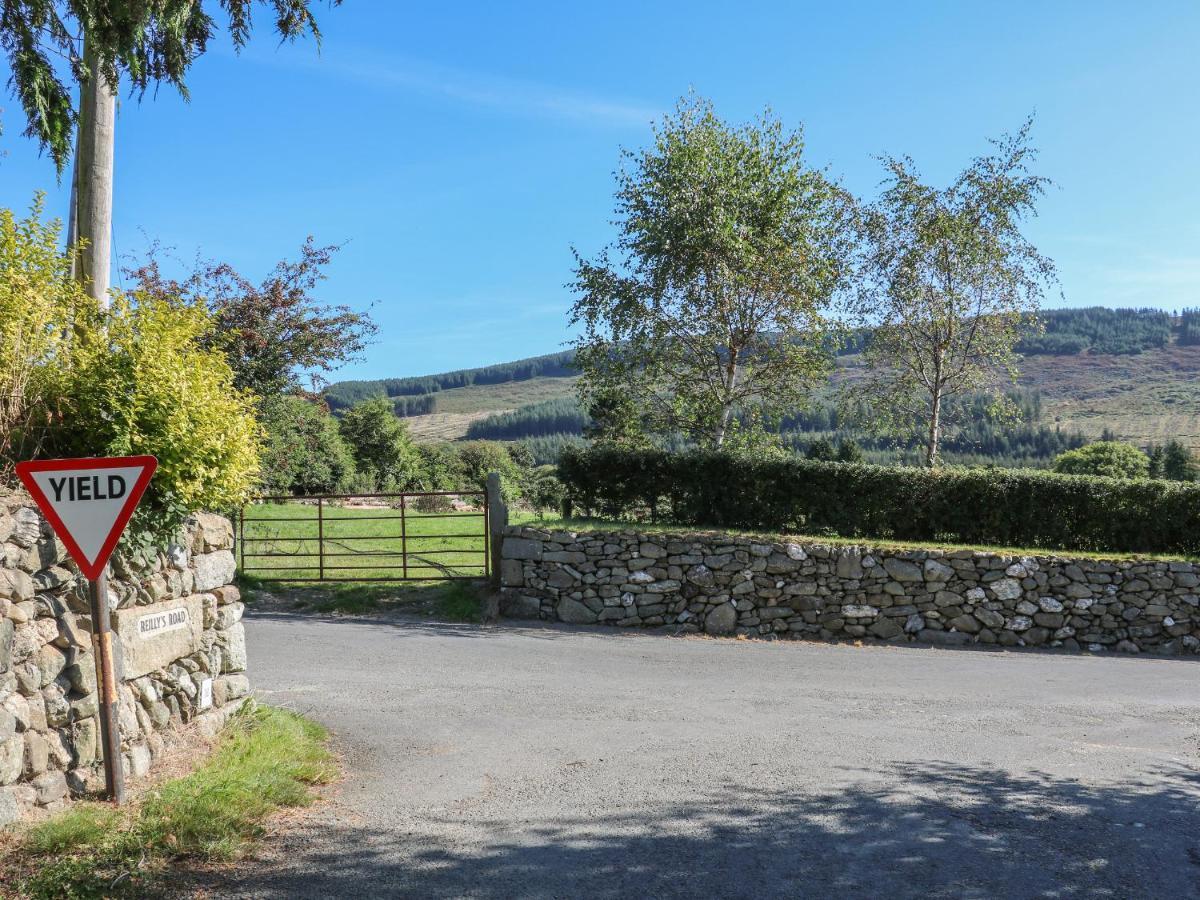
<point>344,394</point>
<point>1131,373</point>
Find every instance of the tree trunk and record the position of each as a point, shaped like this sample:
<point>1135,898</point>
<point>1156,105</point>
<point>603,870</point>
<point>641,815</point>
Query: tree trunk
<point>92,188</point>
<point>935,430</point>
<point>731,374</point>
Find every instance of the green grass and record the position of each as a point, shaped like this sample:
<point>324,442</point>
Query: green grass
<point>601,525</point>
<point>267,759</point>
<point>281,542</point>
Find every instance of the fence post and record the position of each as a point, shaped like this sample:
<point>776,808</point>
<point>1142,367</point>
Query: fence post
<point>497,521</point>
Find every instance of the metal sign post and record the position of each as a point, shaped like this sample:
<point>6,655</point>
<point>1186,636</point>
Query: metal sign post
<point>106,684</point>
<point>88,502</point>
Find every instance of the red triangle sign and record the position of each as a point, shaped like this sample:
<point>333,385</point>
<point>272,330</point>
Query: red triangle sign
<point>88,501</point>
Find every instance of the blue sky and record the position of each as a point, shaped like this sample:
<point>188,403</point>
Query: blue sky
<point>460,150</point>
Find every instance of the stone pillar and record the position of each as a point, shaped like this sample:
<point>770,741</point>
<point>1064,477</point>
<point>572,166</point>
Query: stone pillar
<point>497,522</point>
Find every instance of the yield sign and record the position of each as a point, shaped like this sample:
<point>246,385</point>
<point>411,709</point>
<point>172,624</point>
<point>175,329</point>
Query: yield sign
<point>88,501</point>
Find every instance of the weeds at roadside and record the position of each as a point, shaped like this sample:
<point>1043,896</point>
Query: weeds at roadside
<point>454,601</point>
<point>268,759</point>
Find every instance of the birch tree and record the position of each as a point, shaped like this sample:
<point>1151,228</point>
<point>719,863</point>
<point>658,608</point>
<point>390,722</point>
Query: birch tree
<point>950,283</point>
<point>708,314</point>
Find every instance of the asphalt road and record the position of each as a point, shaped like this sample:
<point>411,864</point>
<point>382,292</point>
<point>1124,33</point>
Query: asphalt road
<point>557,762</point>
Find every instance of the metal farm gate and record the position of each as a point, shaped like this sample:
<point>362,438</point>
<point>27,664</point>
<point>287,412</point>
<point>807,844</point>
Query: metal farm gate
<point>434,535</point>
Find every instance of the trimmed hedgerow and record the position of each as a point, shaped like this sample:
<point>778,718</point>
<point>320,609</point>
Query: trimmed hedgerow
<point>1015,508</point>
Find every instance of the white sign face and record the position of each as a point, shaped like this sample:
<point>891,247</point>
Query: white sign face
<point>162,622</point>
<point>88,501</point>
<point>206,694</point>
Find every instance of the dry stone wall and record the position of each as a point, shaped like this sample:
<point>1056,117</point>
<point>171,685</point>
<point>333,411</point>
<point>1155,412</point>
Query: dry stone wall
<point>722,584</point>
<point>179,653</point>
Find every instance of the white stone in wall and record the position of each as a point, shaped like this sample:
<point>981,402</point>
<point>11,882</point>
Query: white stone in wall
<point>155,635</point>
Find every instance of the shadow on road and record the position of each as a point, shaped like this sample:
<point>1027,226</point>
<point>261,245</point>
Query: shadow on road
<point>936,830</point>
<point>555,630</point>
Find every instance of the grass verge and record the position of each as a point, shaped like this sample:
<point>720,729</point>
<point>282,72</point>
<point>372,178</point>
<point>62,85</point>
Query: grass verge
<point>268,759</point>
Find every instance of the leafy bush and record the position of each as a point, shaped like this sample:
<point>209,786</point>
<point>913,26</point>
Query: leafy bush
<point>542,491</point>
<point>479,458</point>
<point>1111,459</point>
<point>137,380</point>
<point>384,453</point>
<point>304,453</point>
<point>38,300</point>
<point>968,506</point>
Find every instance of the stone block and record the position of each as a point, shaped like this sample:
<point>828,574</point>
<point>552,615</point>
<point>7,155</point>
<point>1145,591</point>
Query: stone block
<point>156,635</point>
<point>512,573</point>
<point>721,619</point>
<point>16,585</point>
<point>574,612</point>
<point>521,606</point>
<point>233,645</point>
<point>7,628</point>
<point>213,570</point>
<point>229,615</point>
<point>521,548</point>
<point>10,810</point>
<point>12,759</point>
<point>902,570</point>
<point>210,532</point>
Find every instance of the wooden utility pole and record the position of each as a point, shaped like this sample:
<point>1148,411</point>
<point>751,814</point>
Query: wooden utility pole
<point>92,183</point>
<point>89,234</point>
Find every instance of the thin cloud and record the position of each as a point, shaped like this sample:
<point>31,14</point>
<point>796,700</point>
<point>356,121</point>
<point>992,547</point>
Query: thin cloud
<point>512,95</point>
<point>1163,281</point>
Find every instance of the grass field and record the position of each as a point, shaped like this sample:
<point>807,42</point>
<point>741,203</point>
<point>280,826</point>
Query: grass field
<point>459,407</point>
<point>279,542</point>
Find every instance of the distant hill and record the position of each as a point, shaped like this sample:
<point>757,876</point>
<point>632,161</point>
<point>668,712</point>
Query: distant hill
<point>344,394</point>
<point>1134,373</point>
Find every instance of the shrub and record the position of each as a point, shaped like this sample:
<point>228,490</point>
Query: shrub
<point>38,301</point>
<point>542,490</point>
<point>477,459</point>
<point>968,506</point>
<point>304,452</point>
<point>383,451</point>
<point>1111,459</point>
<point>136,381</point>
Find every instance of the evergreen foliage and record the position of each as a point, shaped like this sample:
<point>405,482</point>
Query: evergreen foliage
<point>1174,462</point>
<point>1098,330</point>
<point>139,45</point>
<point>559,416</point>
<point>414,406</point>
<point>1189,327</point>
<point>345,394</point>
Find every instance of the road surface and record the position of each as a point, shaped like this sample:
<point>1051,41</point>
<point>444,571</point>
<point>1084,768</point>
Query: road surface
<point>558,762</point>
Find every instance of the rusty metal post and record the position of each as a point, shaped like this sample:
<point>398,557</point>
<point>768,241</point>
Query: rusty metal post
<point>106,687</point>
<point>404,533</point>
<point>321,538</point>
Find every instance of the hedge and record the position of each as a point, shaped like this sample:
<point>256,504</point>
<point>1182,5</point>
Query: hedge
<point>1006,507</point>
